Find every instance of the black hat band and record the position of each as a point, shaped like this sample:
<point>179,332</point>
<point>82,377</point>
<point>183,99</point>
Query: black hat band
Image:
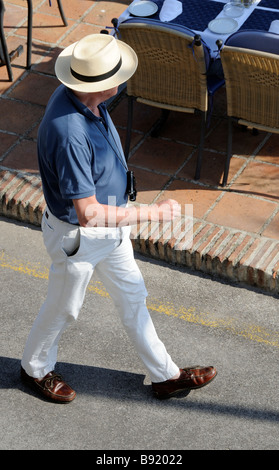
<point>97,78</point>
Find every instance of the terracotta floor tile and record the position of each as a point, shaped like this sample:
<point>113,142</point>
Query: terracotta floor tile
<point>72,10</point>
<point>188,193</point>
<point>185,127</point>
<point>46,65</point>
<point>260,179</point>
<point>23,157</point>
<point>182,127</point>
<point>21,116</point>
<point>241,212</point>
<point>148,185</point>
<point>13,42</point>
<point>79,32</point>
<point>35,88</point>
<point>46,28</point>
<point>135,137</point>
<point>270,151</point>
<point>6,141</point>
<point>272,230</point>
<point>19,63</point>
<point>39,52</point>
<point>25,4</point>
<point>244,142</point>
<point>212,167</point>
<point>144,117</point>
<point>13,16</point>
<point>220,103</point>
<point>103,12</point>
<point>216,138</point>
<point>33,133</point>
<point>5,83</point>
<point>159,155</point>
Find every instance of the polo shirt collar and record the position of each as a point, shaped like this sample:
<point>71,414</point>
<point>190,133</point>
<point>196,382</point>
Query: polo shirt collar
<point>83,109</point>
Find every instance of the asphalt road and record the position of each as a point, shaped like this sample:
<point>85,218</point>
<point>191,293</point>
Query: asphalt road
<point>200,319</point>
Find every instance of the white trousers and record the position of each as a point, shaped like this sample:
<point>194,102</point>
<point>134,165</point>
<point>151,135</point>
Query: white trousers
<point>76,252</point>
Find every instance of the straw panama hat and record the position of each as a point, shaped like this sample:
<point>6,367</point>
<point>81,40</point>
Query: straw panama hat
<point>97,62</point>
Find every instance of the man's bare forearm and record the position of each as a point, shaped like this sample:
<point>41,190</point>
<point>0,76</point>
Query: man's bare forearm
<point>92,214</point>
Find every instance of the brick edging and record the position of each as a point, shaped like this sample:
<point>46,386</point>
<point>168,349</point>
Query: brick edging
<point>231,254</point>
<point>21,197</point>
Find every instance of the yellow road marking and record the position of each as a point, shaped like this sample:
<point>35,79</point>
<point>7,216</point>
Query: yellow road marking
<point>252,332</point>
<point>232,325</point>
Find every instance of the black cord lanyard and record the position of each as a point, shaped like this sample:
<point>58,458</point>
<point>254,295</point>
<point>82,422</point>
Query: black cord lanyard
<point>114,146</point>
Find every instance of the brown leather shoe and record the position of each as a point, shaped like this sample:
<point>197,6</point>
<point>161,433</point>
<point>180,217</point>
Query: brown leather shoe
<point>189,379</point>
<point>52,387</point>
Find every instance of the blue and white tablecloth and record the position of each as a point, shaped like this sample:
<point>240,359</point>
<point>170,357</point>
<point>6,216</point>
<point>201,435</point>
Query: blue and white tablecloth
<point>269,4</point>
<point>260,19</point>
<point>197,14</point>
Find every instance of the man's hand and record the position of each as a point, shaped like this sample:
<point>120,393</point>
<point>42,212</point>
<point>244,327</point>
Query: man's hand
<point>165,211</point>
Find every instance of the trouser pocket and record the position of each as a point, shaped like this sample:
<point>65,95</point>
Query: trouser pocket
<point>71,243</point>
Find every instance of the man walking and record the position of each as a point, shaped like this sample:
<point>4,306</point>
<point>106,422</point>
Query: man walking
<point>83,170</point>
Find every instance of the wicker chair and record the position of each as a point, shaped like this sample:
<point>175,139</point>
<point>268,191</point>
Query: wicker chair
<point>171,73</point>
<point>252,84</point>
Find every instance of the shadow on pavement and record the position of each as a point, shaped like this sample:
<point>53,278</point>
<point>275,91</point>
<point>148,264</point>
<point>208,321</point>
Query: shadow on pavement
<point>121,385</point>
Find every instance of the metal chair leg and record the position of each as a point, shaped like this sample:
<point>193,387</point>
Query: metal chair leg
<point>201,145</point>
<point>29,33</point>
<point>129,126</point>
<point>30,26</point>
<point>161,121</point>
<point>6,56</point>
<point>62,13</point>
<point>229,152</point>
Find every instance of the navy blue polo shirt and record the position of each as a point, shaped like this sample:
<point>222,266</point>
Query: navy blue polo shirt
<point>80,155</point>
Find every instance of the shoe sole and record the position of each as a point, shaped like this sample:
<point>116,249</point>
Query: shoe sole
<point>172,394</point>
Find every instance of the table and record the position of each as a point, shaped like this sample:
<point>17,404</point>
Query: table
<point>198,13</point>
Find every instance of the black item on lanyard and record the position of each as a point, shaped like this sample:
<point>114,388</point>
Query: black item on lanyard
<point>131,180</point>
